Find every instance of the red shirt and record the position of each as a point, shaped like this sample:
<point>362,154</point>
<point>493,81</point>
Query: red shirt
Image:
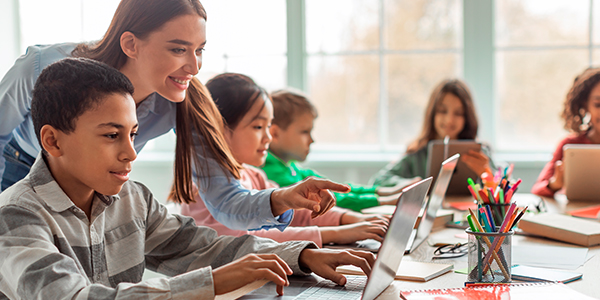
<point>541,185</point>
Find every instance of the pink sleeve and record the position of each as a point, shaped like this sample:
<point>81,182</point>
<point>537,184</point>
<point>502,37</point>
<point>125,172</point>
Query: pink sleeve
<point>540,187</point>
<point>310,233</point>
<point>331,218</point>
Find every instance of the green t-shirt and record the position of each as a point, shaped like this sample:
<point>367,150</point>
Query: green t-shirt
<point>358,198</point>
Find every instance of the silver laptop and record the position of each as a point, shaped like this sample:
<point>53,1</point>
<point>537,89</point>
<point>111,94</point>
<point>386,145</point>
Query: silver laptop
<point>383,271</point>
<point>434,203</point>
<point>582,171</point>
<point>430,209</point>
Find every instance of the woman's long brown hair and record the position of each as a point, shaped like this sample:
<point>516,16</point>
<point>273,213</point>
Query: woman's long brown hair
<point>458,89</point>
<point>199,132</point>
<point>198,120</point>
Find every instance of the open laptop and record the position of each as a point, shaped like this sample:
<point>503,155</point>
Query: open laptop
<point>440,150</point>
<point>582,170</point>
<point>429,212</point>
<point>383,271</point>
<point>433,204</point>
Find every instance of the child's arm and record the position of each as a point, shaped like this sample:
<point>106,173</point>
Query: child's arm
<point>292,233</point>
<point>175,245</point>
<point>239,208</point>
<point>322,262</point>
<point>345,234</point>
<point>550,179</point>
<point>476,161</point>
<point>357,202</point>
<point>41,262</point>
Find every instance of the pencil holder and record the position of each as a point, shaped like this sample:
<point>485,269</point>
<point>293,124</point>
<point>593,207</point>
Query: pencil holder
<point>498,211</point>
<point>489,256</point>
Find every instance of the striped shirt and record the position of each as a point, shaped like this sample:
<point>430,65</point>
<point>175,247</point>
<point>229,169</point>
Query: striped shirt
<point>49,248</point>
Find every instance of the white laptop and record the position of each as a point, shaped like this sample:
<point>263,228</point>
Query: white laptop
<point>383,271</point>
<point>429,212</point>
<point>582,172</point>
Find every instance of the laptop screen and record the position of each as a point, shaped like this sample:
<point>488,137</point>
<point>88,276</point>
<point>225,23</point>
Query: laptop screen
<point>436,198</point>
<point>401,225</point>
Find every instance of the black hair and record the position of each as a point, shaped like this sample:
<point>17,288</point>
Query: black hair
<point>234,94</point>
<point>69,87</point>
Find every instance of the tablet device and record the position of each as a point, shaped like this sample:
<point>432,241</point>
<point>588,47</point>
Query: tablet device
<point>438,151</point>
<point>582,171</point>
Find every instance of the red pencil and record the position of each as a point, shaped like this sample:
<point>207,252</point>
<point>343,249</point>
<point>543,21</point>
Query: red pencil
<point>484,197</point>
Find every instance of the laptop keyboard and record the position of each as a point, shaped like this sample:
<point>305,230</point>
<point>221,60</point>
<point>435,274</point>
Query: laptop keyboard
<point>326,289</point>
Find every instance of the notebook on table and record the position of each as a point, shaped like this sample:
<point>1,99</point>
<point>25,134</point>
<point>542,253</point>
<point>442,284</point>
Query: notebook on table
<point>409,270</point>
<point>563,228</point>
<point>438,151</point>
<point>383,271</point>
<point>431,206</point>
<point>527,273</point>
<point>581,164</point>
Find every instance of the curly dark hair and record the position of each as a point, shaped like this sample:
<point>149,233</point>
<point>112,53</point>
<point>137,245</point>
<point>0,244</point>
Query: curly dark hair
<point>575,106</point>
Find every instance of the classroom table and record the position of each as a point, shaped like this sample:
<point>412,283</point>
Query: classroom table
<point>589,284</point>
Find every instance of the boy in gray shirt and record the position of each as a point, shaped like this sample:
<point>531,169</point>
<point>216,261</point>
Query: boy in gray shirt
<point>76,227</point>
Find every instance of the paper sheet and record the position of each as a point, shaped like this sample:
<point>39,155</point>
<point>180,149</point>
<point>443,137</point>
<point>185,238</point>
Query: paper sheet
<point>557,257</point>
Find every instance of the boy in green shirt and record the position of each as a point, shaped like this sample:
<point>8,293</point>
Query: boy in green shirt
<point>291,131</point>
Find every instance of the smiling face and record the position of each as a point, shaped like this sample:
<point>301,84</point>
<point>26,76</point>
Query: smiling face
<point>449,119</point>
<point>250,139</point>
<point>166,60</point>
<point>98,154</point>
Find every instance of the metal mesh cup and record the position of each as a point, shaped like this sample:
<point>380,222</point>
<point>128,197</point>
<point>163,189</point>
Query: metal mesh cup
<point>485,265</point>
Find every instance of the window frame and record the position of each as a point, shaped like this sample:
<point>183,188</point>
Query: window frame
<point>478,67</point>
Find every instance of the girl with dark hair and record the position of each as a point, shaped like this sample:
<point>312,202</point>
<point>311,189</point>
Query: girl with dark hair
<point>581,114</point>
<point>158,45</point>
<point>450,112</point>
<point>248,112</point>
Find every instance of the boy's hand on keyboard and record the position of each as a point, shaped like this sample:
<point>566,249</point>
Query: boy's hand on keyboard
<point>311,193</point>
<point>346,234</point>
<point>250,268</point>
<point>323,262</point>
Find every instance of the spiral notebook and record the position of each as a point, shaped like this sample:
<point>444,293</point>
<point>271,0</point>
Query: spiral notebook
<point>537,290</point>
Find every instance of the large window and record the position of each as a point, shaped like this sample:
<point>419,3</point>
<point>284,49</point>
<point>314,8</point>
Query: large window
<point>372,64</point>
<point>247,37</point>
<point>540,47</point>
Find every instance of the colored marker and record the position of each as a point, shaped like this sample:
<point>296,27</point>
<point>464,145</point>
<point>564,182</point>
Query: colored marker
<point>484,197</point>
<point>518,217</point>
<point>514,187</point>
<point>491,217</point>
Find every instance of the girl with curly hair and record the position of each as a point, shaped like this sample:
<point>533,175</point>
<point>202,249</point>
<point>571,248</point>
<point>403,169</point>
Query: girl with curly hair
<point>581,114</point>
